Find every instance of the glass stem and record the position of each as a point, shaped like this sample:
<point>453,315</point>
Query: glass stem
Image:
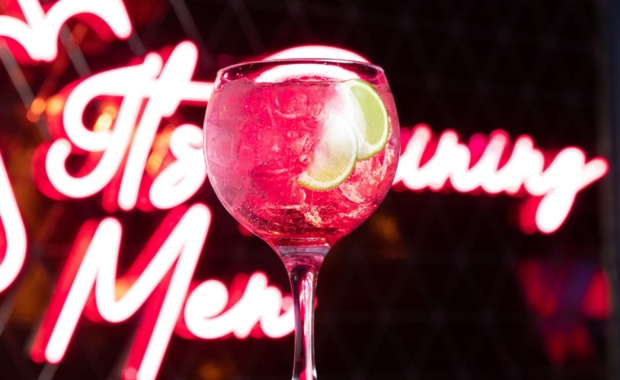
<point>303,268</point>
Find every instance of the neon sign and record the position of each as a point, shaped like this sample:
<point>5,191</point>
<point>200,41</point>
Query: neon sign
<point>15,241</point>
<point>557,184</point>
<point>163,270</point>
<point>135,164</point>
<point>164,86</point>
<point>37,36</point>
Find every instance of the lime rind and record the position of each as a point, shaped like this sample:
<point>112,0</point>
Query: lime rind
<point>372,125</point>
<point>359,136</point>
<point>334,158</point>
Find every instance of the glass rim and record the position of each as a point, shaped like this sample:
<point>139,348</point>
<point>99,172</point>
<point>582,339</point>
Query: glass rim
<point>334,61</point>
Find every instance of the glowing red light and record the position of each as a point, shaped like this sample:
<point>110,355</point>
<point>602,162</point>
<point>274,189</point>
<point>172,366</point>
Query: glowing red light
<point>596,301</point>
<point>562,296</point>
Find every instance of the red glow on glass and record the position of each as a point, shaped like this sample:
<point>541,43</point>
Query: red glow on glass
<point>244,231</point>
<point>523,169</point>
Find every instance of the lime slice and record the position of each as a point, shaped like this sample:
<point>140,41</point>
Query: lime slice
<point>334,156</point>
<point>370,115</point>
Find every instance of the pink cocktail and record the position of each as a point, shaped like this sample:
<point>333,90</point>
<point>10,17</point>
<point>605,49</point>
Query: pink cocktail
<point>301,153</point>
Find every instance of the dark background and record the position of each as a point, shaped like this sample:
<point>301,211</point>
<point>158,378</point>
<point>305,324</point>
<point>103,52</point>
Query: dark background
<point>433,285</point>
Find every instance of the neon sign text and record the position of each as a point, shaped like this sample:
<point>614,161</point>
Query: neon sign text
<point>172,263</point>
<point>557,184</point>
<point>260,304</point>
<point>39,33</point>
<point>163,271</point>
<point>13,246</point>
<point>164,86</point>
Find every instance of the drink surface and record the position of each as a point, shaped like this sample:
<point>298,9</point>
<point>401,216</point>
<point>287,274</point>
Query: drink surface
<point>261,137</point>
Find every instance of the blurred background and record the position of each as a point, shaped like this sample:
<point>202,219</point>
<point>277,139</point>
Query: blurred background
<point>437,284</point>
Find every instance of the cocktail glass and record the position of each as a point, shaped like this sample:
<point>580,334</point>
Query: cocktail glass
<point>301,152</point>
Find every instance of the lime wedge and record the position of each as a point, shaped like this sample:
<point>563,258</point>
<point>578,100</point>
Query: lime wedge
<point>334,156</point>
<point>370,115</point>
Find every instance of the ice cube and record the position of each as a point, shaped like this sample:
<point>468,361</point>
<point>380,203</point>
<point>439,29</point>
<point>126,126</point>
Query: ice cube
<point>290,103</point>
<point>312,216</point>
<point>362,185</point>
<point>350,191</point>
<point>297,193</point>
<point>222,146</point>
